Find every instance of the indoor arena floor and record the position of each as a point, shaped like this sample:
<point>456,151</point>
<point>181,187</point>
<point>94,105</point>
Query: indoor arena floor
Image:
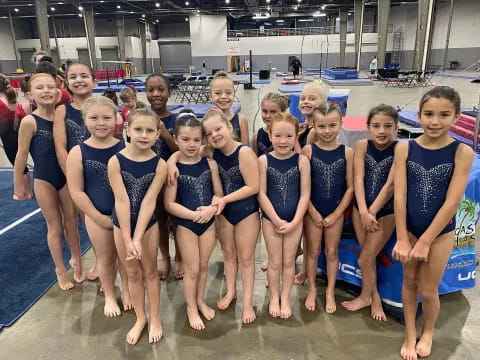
<point>71,325</point>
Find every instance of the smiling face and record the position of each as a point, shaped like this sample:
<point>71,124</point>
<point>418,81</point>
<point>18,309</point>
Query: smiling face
<point>382,130</point>
<point>222,93</point>
<point>327,126</point>
<point>189,140</point>
<point>157,93</point>
<point>100,121</point>
<point>436,117</point>
<point>143,131</point>
<point>310,99</point>
<point>217,131</point>
<point>283,136</point>
<point>269,109</point>
<point>43,90</point>
<point>80,80</point>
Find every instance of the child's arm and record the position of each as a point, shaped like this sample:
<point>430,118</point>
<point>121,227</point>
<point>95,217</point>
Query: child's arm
<point>456,189</point>
<point>172,169</point>
<point>27,130</point>
<point>76,188</point>
<point>254,142</point>
<point>147,207</point>
<point>347,196</point>
<point>384,195</point>
<point>122,202</point>
<point>60,137</point>
<point>176,209</point>
<point>402,247</point>
<point>369,222</point>
<point>244,135</point>
<point>311,137</point>
<point>314,214</point>
<point>249,169</point>
<point>216,181</point>
<point>263,200</point>
<point>304,201</point>
<point>167,138</point>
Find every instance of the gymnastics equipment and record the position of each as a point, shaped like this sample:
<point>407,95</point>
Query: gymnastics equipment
<point>249,86</point>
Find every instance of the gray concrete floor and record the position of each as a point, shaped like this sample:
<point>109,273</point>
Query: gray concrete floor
<point>71,325</point>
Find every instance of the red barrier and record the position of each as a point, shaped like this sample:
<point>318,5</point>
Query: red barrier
<point>112,74</point>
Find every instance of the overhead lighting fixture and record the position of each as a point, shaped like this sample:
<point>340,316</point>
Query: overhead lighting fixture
<point>324,7</point>
<point>299,1</point>
<point>102,1</point>
<point>268,1</point>
<point>295,7</point>
<point>259,16</point>
<point>157,21</point>
<point>80,8</point>
<point>280,20</point>
<point>318,14</point>
<point>80,15</point>
<point>337,18</point>
<point>157,4</point>
<point>186,19</point>
<point>119,7</point>
<point>305,20</point>
<point>198,11</point>
<point>52,8</point>
<point>187,3</point>
<point>143,16</point>
<point>227,1</point>
<point>16,10</point>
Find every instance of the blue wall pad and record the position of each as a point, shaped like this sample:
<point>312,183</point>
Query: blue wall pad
<point>347,82</point>
<point>117,88</point>
<point>311,71</point>
<point>341,74</point>
<point>290,88</point>
<point>199,109</point>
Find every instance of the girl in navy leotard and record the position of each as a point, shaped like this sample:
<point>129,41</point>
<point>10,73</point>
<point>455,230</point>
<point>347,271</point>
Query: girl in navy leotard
<point>373,211</point>
<point>284,196</point>
<point>90,190</point>
<point>190,201</point>
<point>136,176</point>
<point>222,94</point>
<point>157,89</point>
<point>332,191</point>
<point>431,174</point>
<point>35,136</point>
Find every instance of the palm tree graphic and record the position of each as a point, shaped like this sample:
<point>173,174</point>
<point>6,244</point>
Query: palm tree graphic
<point>468,208</point>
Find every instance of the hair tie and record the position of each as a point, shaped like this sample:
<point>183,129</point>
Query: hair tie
<point>186,114</point>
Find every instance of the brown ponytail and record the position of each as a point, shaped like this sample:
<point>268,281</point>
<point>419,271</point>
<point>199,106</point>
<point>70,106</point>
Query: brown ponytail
<point>9,91</point>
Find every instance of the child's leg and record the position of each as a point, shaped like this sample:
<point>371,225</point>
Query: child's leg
<point>102,241</point>
<point>246,235</point>
<point>313,236</point>
<point>188,245</point>
<point>70,223</point>
<point>410,283</point>
<point>178,269</point>
<point>135,285</point>
<point>126,299</point>
<point>150,273</point>
<point>273,241</point>
<point>226,234</point>
<point>431,273</point>
<point>206,245</point>
<point>302,275</point>
<point>49,201</point>
<point>290,244</point>
<point>93,272</point>
<point>332,239</point>
<point>164,242</point>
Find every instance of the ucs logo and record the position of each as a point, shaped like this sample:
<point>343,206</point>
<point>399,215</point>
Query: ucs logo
<point>470,275</point>
<point>350,270</point>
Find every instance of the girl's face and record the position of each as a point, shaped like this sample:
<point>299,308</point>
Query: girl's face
<point>436,117</point>
<point>189,140</point>
<point>100,121</point>
<point>222,93</point>
<point>327,127</point>
<point>143,131</point>
<point>269,108</point>
<point>382,129</point>
<point>130,102</point>
<point>283,137</point>
<point>310,99</point>
<point>217,132</point>
<point>79,79</point>
<point>44,90</point>
<point>157,93</point>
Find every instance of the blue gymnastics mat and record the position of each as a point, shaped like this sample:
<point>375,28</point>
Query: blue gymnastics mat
<point>346,82</point>
<point>198,109</point>
<point>291,88</point>
<point>117,88</point>
<point>27,269</point>
<point>459,76</point>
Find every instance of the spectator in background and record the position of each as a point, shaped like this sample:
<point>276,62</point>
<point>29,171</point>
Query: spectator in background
<point>296,65</point>
<point>38,57</point>
<point>373,65</point>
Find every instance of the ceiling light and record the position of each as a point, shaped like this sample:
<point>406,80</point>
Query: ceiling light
<point>16,10</point>
<point>186,19</point>
<point>198,11</point>
<point>187,3</point>
<point>259,16</point>
<point>337,18</point>
<point>157,21</point>
<point>295,7</point>
<point>143,15</point>
<point>60,3</point>
<point>318,14</point>
<point>299,1</point>
<point>80,8</point>
<point>102,1</point>
<point>268,1</point>
<point>52,8</point>
<point>324,7</point>
<point>119,7</point>
<point>157,4</point>
<point>280,20</point>
<point>305,20</point>
<point>227,1</point>
<point>80,15</point>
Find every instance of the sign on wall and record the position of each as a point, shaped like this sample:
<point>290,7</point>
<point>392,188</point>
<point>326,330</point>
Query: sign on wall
<point>233,46</point>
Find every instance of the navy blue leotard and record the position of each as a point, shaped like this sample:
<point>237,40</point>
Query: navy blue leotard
<point>377,167</point>
<point>75,127</point>
<point>95,175</point>
<point>329,178</point>
<point>283,185</point>
<point>195,189</point>
<point>232,180</point>
<point>235,121</point>
<point>160,147</point>
<point>137,177</point>
<point>264,145</point>
<point>429,173</point>
<point>45,160</point>
<point>302,139</point>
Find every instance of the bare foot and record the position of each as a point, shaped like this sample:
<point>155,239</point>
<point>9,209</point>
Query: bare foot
<point>300,278</point>
<point>126,301</point>
<point>407,351</point>
<point>264,265</point>
<point>285,308</point>
<point>248,315</point>
<point>77,271</point>
<point>194,319</point>
<point>207,312</point>
<point>225,302</point>
<point>424,345</point>
<point>330,306</point>
<point>111,308</point>
<point>155,332</point>
<point>377,310</point>
<point>93,273</point>
<point>311,300</point>
<point>357,303</point>
<point>274,307</point>
<point>178,270</point>
<point>164,269</point>
<point>64,282</point>
<point>135,332</point>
